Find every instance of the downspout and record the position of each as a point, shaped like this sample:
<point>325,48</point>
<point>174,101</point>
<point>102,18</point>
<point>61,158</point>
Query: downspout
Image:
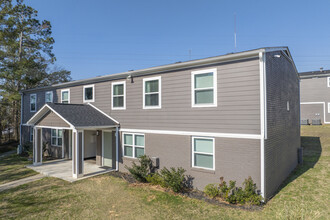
<point>20,147</point>
<point>117,148</point>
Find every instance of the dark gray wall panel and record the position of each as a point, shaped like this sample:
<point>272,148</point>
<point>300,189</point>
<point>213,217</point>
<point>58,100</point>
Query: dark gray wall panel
<point>283,126</point>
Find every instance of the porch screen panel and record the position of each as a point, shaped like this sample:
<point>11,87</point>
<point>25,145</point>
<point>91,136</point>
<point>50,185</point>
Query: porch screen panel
<point>107,149</point>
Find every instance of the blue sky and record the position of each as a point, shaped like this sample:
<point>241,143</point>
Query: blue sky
<point>101,37</point>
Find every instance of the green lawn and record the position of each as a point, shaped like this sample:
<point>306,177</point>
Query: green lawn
<point>305,195</point>
<point>12,168</point>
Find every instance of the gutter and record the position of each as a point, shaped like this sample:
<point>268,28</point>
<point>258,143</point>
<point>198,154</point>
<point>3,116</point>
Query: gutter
<point>164,68</point>
<point>20,147</point>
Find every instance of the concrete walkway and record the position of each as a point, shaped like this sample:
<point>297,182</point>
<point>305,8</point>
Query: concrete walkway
<point>20,182</point>
<point>62,169</point>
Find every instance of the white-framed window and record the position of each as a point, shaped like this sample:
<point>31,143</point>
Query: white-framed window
<point>328,81</point>
<point>328,107</point>
<point>65,96</point>
<point>33,102</point>
<point>31,133</point>
<point>56,137</point>
<point>204,88</point>
<point>203,153</point>
<point>89,93</point>
<point>118,95</point>
<point>49,96</point>
<point>133,145</point>
<point>152,93</point>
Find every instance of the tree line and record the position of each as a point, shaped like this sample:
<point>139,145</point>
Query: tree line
<point>26,59</point>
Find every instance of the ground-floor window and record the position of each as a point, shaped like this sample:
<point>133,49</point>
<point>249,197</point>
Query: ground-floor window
<point>133,145</point>
<point>203,152</point>
<point>31,134</point>
<point>56,138</point>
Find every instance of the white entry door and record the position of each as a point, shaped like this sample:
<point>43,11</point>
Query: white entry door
<point>107,148</point>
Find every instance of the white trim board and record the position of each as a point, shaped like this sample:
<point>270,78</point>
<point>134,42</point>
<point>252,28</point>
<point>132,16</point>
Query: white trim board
<point>263,120</point>
<point>215,90</point>
<point>113,84</point>
<point>103,113</point>
<point>93,93</point>
<point>193,153</point>
<point>159,106</point>
<point>65,90</point>
<point>192,133</point>
<point>317,103</point>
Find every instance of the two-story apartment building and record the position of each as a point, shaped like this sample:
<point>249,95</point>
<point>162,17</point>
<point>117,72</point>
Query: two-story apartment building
<point>231,116</point>
<point>315,97</point>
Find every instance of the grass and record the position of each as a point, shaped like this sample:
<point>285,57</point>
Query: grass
<point>305,195</point>
<point>12,168</point>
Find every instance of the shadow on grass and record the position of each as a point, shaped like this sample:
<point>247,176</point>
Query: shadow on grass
<point>312,150</point>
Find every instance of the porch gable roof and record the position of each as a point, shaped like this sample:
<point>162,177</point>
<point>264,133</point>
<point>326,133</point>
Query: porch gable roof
<point>75,115</point>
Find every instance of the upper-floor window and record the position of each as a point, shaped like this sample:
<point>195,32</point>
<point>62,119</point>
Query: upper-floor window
<point>203,153</point>
<point>49,96</point>
<point>33,102</point>
<point>57,135</point>
<point>89,93</point>
<point>133,145</point>
<point>118,94</point>
<point>328,81</point>
<point>152,97</point>
<point>204,88</point>
<point>65,96</point>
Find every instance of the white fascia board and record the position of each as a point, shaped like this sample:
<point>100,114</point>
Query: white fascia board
<point>71,126</point>
<point>103,113</point>
<point>158,69</point>
<point>192,133</point>
<point>44,111</point>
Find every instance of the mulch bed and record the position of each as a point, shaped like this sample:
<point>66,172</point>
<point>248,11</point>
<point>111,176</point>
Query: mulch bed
<point>195,194</point>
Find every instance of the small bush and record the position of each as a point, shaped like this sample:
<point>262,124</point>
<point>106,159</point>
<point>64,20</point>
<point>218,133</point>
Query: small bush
<point>155,179</point>
<point>212,190</point>
<point>174,179</point>
<point>250,190</point>
<point>234,195</point>
<point>140,172</point>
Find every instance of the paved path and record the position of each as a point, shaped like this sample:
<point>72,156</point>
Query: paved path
<point>8,153</point>
<point>20,182</point>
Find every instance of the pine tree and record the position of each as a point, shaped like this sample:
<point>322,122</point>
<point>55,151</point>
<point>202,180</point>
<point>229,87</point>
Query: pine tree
<point>26,54</point>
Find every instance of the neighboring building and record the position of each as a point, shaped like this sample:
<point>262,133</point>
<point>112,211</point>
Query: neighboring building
<point>315,97</point>
<point>231,116</point>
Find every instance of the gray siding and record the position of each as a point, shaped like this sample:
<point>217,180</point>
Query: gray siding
<point>283,126</point>
<point>235,159</point>
<point>315,90</point>
<point>53,120</point>
<point>238,108</point>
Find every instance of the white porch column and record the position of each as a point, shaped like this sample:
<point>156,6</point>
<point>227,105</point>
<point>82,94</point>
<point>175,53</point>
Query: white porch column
<point>37,146</point>
<point>117,148</point>
<point>78,153</point>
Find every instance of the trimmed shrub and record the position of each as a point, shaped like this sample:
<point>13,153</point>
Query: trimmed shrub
<point>212,190</point>
<point>155,179</point>
<point>140,172</point>
<point>173,179</point>
<point>234,195</point>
